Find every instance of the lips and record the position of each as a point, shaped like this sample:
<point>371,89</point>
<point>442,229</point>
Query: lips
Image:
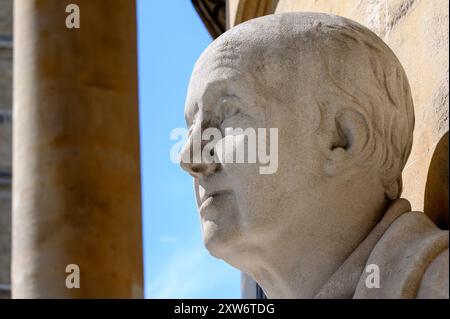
<point>210,194</point>
<point>210,197</point>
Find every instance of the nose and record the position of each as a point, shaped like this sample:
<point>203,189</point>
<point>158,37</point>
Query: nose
<point>192,160</point>
<point>197,169</point>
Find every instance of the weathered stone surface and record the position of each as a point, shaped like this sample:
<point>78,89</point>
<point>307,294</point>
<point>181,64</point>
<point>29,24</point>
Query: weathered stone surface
<point>417,31</point>
<point>76,166</point>
<point>342,105</point>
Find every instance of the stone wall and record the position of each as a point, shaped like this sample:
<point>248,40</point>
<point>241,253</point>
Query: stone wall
<point>5,144</point>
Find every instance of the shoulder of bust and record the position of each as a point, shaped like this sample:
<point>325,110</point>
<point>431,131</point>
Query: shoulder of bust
<point>435,281</point>
<point>412,259</point>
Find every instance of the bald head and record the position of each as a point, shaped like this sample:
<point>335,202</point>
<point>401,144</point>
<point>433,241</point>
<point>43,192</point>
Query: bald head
<point>319,64</point>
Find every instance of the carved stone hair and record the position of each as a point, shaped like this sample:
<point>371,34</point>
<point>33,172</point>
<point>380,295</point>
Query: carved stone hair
<point>347,60</point>
<point>386,105</point>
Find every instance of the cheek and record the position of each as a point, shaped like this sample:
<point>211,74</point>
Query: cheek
<point>238,158</point>
<point>255,192</point>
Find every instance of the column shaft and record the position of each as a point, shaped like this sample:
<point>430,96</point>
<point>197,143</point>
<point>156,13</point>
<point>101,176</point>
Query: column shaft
<point>76,170</point>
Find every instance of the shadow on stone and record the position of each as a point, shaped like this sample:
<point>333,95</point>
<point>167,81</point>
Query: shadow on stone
<point>436,189</point>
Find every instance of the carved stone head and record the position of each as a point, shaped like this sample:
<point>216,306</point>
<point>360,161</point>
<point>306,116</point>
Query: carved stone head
<point>342,107</point>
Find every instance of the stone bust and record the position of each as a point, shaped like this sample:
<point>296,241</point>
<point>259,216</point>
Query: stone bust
<point>341,102</point>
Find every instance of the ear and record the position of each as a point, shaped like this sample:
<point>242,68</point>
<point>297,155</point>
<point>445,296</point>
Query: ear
<point>394,190</point>
<point>348,136</point>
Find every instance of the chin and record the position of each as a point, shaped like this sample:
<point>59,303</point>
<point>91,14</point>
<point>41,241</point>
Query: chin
<point>228,247</point>
<point>220,242</point>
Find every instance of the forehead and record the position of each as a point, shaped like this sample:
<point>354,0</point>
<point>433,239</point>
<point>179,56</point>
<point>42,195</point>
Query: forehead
<point>206,81</point>
<point>255,71</point>
<point>215,74</point>
<point>224,59</point>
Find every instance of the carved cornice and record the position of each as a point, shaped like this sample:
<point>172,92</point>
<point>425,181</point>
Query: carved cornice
<point>239,11</point>
<point>213,15</point>
<point>220,15</point>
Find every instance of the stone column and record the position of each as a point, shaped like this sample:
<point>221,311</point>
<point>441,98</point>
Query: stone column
<point>76,170</point>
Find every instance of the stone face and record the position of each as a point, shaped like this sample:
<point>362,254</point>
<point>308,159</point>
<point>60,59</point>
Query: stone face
<point>341,103</point>
<point>76,151</point>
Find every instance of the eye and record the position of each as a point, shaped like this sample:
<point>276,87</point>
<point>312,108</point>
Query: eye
<point>228,109</point>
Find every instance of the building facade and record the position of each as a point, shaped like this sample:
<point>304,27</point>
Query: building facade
<point>5,145</point>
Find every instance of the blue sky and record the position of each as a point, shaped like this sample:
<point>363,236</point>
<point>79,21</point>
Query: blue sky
<point>171,37</point>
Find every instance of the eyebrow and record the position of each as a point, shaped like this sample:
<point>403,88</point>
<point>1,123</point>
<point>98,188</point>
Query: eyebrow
<point>208,96</point>
<point>210,87</point>
<point>227,97</point>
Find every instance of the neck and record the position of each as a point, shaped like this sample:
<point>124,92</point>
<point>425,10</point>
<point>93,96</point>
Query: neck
<point>297,259</point>
<point>288,273</point>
